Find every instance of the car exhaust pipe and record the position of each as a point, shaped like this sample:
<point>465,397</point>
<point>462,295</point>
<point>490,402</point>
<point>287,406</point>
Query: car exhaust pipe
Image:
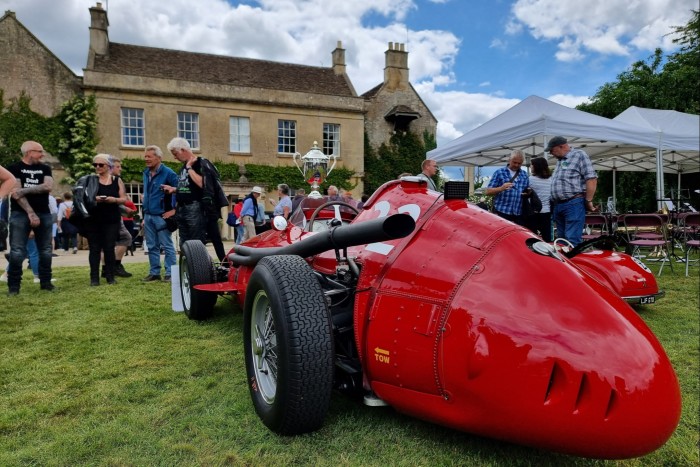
<point>343,236</point>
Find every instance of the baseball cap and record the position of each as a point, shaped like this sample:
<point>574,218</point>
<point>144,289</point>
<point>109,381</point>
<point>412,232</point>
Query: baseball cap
<point>554,142</point>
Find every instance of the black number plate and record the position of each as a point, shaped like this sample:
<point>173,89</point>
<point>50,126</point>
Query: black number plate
<point>647,300</point>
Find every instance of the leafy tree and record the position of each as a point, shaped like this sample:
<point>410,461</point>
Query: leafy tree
<point>653,84</point>
<point>79,140</point>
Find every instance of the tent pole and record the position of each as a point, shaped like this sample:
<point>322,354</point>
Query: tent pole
<point>659,175</point>
<point>615,188</point>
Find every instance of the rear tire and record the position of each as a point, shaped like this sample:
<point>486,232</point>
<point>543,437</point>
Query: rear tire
<point>196,268</point>
<point>288,344</point>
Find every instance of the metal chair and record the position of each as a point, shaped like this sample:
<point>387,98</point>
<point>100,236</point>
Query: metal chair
<point>595,226</point>
<point>692,229</point>
<point>648,231</point>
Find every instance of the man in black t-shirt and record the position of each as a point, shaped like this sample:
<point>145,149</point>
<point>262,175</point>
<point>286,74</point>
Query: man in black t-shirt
<point>29,210</point>
<point>196,219</point>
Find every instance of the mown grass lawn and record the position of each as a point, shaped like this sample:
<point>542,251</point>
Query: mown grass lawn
<point>111,376</point>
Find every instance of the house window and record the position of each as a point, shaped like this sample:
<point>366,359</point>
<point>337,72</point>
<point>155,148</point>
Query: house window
<point>331,139</point>
<point>286,136</point>
<point>188,128</point>
<point>133,127</point>
<point>239,134</point>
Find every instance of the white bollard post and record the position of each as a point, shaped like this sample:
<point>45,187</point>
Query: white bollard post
<point>175,289</point>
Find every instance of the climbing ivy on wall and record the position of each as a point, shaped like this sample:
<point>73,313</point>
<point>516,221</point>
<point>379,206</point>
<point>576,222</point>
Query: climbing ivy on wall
<point>266,176</point>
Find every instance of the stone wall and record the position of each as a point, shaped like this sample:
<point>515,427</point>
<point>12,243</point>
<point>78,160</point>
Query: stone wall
<point>27,65</point>
<point>379,130</point>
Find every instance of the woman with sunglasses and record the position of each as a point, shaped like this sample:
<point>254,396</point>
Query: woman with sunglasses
<point>102,227</point>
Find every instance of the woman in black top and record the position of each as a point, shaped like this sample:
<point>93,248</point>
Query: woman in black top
<point>102,227</point>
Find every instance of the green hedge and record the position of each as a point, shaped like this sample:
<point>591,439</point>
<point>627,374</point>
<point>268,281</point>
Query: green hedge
<point>266,176</point>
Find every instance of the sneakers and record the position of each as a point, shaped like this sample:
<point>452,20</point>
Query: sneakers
<point>94,283</point>
<point>121,272</point>
<point>48,287</point>
<point>37,280</point>
<point>150,278</point>
<point>12,292</point>
<point>3,278</point>
<point>167,278</point>
<point>75,250</point>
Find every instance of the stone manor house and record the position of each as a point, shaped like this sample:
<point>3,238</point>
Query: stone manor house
<point>234,110</point>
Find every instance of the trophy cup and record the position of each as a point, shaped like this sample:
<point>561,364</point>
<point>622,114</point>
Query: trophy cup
<point>314,168</point>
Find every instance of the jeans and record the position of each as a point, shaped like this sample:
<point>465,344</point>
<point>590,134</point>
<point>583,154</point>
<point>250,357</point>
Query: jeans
<point>33,254</point>
<point>19,236</point>
<point>570,218</point>
<point>157,237</point>
<point>240,232</point>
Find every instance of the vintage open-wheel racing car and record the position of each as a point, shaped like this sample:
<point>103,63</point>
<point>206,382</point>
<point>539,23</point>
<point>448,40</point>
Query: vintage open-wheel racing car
<point>446,312</point>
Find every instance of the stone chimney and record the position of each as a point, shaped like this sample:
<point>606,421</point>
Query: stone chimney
<point>99,39</point>
<point>339,59</point>
<point>396,68</point>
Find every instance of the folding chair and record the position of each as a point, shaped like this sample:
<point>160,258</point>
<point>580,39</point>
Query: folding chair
<point>648,231</point>
<point>595,226</point>
<point>691,230</point>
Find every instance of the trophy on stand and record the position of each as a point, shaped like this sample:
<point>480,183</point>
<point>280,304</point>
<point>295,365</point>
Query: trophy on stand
<point>314,168</point>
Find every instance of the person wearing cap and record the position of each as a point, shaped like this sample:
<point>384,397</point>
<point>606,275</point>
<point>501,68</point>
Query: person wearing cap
<point>157,236</point>
<point>573,186</point>
<point>249,212</point>
<point>507,186</point>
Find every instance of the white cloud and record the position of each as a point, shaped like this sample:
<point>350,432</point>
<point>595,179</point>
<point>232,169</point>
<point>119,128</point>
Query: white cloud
<point>608,27</point>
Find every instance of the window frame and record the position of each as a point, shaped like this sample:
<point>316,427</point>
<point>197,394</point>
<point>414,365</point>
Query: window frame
<point>286,136</point>
<point>188,133</point>
<point>129,119</point>
<point>238,138</point>
<point>331,137</point>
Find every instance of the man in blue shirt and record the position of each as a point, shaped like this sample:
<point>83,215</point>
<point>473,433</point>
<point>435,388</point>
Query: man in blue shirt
<point>573,186</point>
<point>249,212</point>
<point>507,185</point>
<point>155,209</point>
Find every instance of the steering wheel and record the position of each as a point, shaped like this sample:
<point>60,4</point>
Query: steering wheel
<point>561,243</point>
<point>310,224</point>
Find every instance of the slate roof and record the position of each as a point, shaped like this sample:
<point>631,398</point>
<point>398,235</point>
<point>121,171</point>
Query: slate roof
<point>153,62</point>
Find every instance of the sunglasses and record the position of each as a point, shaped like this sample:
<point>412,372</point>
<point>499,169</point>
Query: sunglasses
<point>98,164</point>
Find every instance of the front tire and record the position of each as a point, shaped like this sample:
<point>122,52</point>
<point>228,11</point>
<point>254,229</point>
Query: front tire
<point>288,345</point>
<point>196,268</point>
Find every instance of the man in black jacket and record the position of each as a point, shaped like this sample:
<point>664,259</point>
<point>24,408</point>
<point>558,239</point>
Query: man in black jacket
<point>198,197</point>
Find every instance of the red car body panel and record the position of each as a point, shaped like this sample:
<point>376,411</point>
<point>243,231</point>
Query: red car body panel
<point>463,324</point>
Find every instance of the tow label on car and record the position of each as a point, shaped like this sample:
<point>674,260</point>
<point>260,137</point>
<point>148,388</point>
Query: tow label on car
<point>381,355</point>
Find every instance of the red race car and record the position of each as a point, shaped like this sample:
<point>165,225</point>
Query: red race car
<point>445,312</point>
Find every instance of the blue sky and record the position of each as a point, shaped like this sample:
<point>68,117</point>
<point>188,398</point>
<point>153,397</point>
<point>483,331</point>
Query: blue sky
<point>470,60</point>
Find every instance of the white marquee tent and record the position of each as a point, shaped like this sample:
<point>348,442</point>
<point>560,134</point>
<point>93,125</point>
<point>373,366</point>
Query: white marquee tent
<point>611,144</point>
<point>678,140</point>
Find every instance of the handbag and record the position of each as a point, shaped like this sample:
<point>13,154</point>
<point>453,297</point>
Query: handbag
<point>231,219</point>
<point>170,223</point>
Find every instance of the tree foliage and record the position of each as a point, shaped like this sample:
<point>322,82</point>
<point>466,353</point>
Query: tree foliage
<point>404,153</point>
<point>669,83</point>
<point>19,123</point>
<point>77,146</point>
<point>70,135</point>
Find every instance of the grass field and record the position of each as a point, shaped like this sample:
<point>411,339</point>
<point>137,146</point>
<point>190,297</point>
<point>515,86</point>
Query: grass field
<point>111,376</point>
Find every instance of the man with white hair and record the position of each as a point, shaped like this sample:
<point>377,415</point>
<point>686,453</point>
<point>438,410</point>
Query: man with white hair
<point>507,186</point>
<point>198,197</point>
<point>30,211</point>
<point>156,176</point>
